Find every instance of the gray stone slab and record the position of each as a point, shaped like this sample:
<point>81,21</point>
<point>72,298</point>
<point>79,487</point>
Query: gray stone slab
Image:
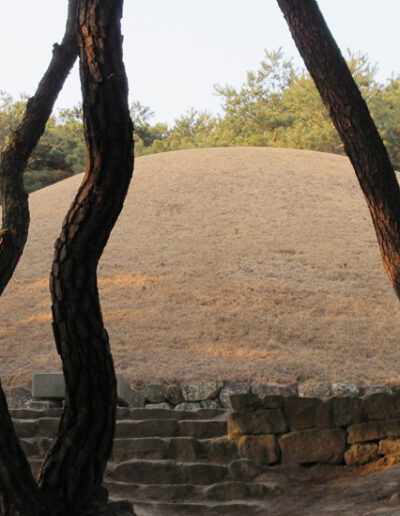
<point>124,391</point>
<point>51,386</point>
<point>48,386</point>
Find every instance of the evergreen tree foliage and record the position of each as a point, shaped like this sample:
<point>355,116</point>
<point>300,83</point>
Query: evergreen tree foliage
<point>278,106</point>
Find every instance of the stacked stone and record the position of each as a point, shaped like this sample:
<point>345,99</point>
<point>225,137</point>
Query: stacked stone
<point>282,429</point>
<point>188,396</point>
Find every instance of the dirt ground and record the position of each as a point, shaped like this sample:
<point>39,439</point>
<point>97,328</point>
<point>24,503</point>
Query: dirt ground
<point>327,490</point>
<point>250,264</point>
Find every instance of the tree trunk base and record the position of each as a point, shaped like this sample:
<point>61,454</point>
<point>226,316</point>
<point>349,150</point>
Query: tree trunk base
<point>120,508</point>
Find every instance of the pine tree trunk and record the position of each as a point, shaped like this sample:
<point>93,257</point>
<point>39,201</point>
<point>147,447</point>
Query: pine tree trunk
<point>19,493</point>
<point>74,468</point>
<point>354,124</point>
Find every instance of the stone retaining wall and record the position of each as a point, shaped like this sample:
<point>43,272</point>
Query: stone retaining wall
<point>187,395</point>
<point>298,430</point>
<point>308,423</point>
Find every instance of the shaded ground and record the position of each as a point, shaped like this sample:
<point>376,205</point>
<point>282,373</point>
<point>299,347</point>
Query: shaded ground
<point>247,263</point>
<point>326,490</point>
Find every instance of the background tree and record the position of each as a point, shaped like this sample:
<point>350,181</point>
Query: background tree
<point>350,115</point>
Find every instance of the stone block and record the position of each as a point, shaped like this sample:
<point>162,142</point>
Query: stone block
<point>51,386</point>
<point>124,390</point>
<point>152,448</point>
<point>18,397</point>
<point>25,428</point>
<point>374,389</point>
<point>201,429</point>
<point>274,401</point>
<point>303,413</point>
<point>273,389</point>
<point>47,426</point>
<point>345,411</point>
<point>221,450</point>
<point>359,454</point>
<point>162,493</point>
<point>210,404</point>
<point>388,461</point>
<point>342,389</point>
<point>155,393</point>
<point>146,428</point>
<point>198,391</point>
<point>174,394</point>
<point>262,421</point>
<point>313,389</point>
<point>148,472</point>
<point>381,405</point>
<point>45,404</point>
<point>137,399</point>
<point>243,470</point>
<point>261,449</point>
<point>245,402</point>
<point>203,473</point>
<point>184,449</point>
<point>389,446</point>
<point>163,405</point>
<point>232,388</point>
<point>373,430</point>
<point>323,445</point>
<point>226,491</point>
<point>48,386</point>
<point>188,406</point>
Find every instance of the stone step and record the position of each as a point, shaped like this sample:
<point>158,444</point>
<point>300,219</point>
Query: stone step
<point>223,491</point>
<point>200,429</point>
<point>183,449</point>
<point>35,413</point>
<point>201,509</point>
<point>42,427</point>
<point>156,448</point>
<point>167,472</point>
<point>159,413</point>
<point>36,447</point>
<point>129,413</point>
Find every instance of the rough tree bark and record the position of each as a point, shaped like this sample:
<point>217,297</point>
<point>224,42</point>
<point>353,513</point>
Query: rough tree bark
<point>73,470</point>
<point>354,124</point>
<point>18,490</point>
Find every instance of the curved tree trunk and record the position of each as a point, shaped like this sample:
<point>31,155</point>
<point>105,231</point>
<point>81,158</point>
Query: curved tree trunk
<point>19,494</point>
<point>74,468</point>
<point>354,124</point>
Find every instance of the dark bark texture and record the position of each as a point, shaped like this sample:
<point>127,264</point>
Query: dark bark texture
<point>14,200</point>
<point>354,124</point>
<point>73,470</point>
<point>19,494</point>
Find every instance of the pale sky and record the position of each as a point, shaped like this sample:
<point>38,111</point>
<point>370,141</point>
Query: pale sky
<point>176,50</point>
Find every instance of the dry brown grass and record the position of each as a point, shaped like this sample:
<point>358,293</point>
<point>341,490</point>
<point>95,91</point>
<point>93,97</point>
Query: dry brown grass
<point>244,263</point>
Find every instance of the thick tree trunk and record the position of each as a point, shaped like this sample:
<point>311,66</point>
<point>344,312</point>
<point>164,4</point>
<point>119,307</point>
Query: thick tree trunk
<point>354,124</point>
<point>74,468</point>
<point>19,494</point>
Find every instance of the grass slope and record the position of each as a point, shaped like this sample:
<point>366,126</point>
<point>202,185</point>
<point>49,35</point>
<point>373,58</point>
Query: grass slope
<point>246,263</point>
